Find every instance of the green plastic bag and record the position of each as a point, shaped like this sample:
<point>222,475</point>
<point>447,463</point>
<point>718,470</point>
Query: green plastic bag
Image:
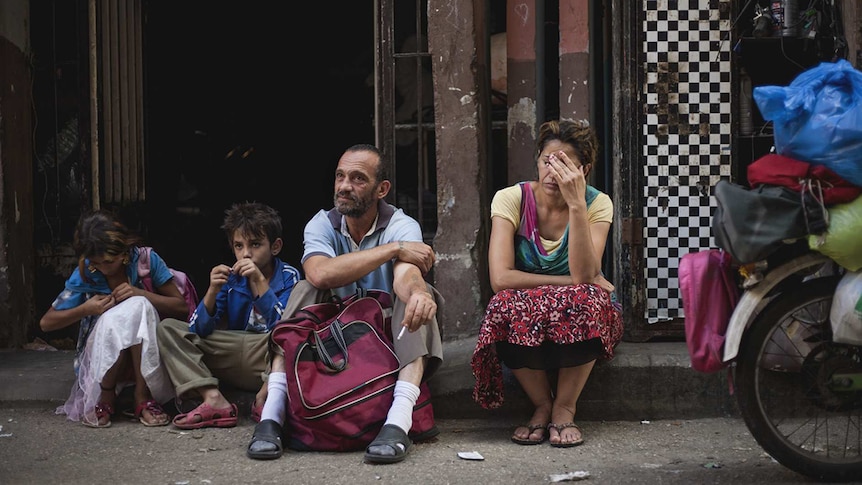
<point>841,240</point>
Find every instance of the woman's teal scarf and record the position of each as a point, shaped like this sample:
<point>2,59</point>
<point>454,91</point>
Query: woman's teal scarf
<point>530,255</point>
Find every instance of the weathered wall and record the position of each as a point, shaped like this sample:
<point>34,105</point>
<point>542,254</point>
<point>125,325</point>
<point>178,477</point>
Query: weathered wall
<point>16,176</point>
<point>525,53</point>
<point>853,31</point>
<point>462,152</point>
<point>574,52</point>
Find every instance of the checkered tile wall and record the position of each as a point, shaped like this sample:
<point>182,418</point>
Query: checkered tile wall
<point>686,136</point>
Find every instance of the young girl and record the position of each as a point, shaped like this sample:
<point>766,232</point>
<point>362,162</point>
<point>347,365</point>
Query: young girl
<point>117,339</point>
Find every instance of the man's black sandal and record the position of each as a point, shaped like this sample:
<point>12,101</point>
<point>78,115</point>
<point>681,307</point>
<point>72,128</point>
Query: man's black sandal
<point>393,437</point>
<point>266,441</point>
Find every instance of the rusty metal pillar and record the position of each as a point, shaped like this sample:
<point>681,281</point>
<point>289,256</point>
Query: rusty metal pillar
<point>574,51</point>
<point>524,48</point>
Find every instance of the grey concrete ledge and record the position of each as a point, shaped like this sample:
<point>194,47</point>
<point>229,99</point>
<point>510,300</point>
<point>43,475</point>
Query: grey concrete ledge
<point>644,381</point>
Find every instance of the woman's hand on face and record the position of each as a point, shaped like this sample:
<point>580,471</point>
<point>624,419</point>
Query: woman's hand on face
<point>570,177</point>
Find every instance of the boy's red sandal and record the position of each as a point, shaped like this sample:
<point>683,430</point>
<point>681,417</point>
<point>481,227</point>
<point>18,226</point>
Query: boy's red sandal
<point>209,417</point>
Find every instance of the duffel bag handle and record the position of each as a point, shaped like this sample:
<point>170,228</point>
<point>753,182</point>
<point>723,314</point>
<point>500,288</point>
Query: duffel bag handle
<point>337,337</point>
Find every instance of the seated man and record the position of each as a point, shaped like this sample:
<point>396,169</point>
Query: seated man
<point>227,337</point>
<point>364,242</point>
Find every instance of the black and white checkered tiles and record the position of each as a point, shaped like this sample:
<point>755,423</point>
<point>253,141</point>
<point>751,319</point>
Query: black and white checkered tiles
<point>686,136</point>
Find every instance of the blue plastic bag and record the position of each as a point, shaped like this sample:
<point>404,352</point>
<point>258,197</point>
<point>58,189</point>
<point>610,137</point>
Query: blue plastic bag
<point>818,117</point>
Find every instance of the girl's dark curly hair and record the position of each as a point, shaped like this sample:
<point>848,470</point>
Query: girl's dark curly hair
<point>101,233</point>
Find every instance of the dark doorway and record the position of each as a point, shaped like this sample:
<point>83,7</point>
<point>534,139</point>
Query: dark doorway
<point>243,104</point>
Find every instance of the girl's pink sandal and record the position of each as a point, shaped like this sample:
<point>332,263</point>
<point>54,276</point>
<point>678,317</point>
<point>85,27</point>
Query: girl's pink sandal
<point>155,409</point>
<point>103,409</point>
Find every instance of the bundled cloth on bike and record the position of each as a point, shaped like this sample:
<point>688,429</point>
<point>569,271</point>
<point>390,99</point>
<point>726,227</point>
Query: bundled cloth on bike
<point>751,224</point>
<point>826,186</point>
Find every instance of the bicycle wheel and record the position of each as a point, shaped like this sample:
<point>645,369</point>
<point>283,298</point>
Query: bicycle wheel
<point>799,392</point>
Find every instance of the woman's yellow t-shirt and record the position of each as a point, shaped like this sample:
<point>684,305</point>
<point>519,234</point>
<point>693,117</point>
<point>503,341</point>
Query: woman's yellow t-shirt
<point>507,204</point>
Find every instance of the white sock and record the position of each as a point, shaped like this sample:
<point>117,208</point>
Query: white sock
<point>276,397</point>
<point>401,412</point>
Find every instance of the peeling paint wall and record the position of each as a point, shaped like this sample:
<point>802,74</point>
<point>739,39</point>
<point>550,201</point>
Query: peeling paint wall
<point>16,175</point>
<point>574,50</point>
<point>525,49</point>
<point>462,233</point>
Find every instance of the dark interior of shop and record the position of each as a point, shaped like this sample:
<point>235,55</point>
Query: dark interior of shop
<point>243,101</point>
<point>245,104</point>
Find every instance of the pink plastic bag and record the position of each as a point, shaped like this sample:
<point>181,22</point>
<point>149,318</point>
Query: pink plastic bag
<point>709,295</point>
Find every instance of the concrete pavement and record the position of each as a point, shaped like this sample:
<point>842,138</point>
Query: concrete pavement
<point>647,418</point>
<point>645,381</point>
<point>38,447</point>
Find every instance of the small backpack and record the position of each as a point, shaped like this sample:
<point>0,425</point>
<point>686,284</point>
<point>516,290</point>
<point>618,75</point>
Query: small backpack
<point>709,295</point>
<point>184,284</point>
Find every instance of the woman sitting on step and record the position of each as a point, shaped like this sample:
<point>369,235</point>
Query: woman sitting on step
<point>553,310</point>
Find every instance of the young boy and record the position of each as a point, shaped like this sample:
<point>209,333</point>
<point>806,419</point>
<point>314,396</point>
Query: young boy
<point>227,336</point>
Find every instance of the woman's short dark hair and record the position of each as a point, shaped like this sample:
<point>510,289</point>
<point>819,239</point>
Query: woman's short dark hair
<point>579,134</point>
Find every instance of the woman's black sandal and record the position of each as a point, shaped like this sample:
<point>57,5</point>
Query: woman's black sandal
<point>560,428</point>
<point>533,428</point>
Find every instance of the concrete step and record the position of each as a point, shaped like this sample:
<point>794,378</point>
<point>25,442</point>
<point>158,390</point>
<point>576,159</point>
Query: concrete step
<point>645,381</point>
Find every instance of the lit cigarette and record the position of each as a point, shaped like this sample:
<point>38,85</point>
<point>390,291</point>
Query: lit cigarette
<point>401,333</point>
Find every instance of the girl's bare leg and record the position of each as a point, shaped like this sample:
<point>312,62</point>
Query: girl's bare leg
<point>109,384</point>
<point>142,391</point>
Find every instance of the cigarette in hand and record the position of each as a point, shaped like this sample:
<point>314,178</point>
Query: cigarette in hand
<point>401,333</point>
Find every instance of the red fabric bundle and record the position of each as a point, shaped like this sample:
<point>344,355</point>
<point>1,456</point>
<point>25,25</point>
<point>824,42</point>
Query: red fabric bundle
<point>774,169</point>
